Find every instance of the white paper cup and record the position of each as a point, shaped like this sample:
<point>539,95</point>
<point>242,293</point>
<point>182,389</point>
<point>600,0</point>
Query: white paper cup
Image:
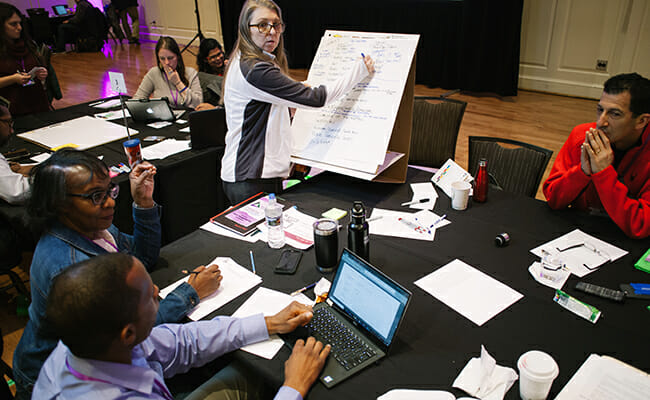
<point>537,370</point>
<point>460,195</point>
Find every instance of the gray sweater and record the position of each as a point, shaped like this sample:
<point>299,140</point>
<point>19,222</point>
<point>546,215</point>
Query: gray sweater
<point>155,85</point>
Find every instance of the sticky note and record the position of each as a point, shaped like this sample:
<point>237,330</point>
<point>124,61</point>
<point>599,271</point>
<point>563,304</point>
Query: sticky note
<point>335,213</point>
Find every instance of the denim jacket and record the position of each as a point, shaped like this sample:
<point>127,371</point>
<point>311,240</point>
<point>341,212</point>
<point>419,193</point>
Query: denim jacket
<point>60,247</point>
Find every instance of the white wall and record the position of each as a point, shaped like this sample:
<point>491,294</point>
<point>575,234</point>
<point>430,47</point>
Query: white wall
<point>562,41</point>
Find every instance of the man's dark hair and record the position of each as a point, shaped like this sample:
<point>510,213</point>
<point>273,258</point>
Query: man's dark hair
<point>638,86</point>
<point>90,302</point>
<point>49,186</point>
<point>207,45</point>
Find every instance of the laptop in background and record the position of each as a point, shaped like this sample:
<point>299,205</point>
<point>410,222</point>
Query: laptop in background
<point>208,128</point>
<point>364,306</point>
<point>147,110</point>
<point>60,9</point>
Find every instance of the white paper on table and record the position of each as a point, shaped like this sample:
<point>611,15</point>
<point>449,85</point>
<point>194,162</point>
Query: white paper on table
<point>424,190</point>
<point>159,124</point>
<point>164,149</point>
<point>468,291</point>
<point>219,230</point>
<point>111,115</point>
<point>411,394</point>
<point>389,224</point>
<point>298,229</point>
<point>449,173</point>
<point>236,280</point>
<point>268,302</point>
<point>552,279</point>
<point>606,378</point>
<point>185,130</point>
<point>40,157</point>
<point>181,121</point>
<point>576,258</point>
<point>108,104</point>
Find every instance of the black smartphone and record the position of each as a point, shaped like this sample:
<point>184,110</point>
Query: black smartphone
<point>289,260</point>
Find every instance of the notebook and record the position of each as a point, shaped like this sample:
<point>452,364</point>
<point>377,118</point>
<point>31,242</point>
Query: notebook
<point>146,110</point>
<point>60,9</point>
<point>363,306</point>
<point>208,128</point>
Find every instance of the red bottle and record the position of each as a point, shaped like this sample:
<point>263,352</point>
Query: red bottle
<point>481,179</point>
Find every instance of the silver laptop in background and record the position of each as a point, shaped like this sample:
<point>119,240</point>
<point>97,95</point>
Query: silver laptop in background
<point>148,110</point>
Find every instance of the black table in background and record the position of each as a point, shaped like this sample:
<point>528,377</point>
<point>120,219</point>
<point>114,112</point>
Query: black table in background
<point>187,185</point>
<point>435,342</point>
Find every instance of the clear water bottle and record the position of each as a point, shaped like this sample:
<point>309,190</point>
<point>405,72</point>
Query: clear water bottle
<point>274,222</point>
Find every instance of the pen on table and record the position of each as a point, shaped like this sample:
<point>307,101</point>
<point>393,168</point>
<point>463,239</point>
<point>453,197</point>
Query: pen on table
<point>374,218</point>
<point>408,203</point>
<point>303,289</point>
<point>186,272</point>
<point>252,260</point>
<point>363,55</point>
<point>439,220</point>
<point>417,228</point>
<point>96,103</point>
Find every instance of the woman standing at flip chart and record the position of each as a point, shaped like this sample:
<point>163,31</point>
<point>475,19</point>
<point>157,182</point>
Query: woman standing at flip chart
<point>258,94</point>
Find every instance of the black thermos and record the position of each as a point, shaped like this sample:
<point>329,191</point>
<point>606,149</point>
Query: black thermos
<point>358,239</point>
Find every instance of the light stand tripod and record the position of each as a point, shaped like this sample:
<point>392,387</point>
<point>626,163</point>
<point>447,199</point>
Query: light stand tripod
<point>199,34</point>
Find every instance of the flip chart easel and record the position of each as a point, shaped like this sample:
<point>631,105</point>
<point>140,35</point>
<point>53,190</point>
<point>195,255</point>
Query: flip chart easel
<point>366,134</point>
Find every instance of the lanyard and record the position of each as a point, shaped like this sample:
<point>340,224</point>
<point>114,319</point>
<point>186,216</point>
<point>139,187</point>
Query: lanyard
<point>161,388</point>
<point>170,90</point>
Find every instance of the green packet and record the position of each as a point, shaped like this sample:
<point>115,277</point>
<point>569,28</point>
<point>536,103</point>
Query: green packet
<point>644,262</point>
<point>584,310</point>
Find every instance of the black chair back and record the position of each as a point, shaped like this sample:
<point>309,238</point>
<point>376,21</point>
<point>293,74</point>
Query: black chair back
<point>436,123</point>
<point>517,168</point>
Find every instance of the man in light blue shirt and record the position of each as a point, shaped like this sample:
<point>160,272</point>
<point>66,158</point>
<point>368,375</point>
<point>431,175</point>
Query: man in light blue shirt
<point>104,309</point>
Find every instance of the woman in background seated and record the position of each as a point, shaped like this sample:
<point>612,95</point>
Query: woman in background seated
<point>72,203</point>
<point>171,78</point>
<point>211,62</point>
<point>18,57</point>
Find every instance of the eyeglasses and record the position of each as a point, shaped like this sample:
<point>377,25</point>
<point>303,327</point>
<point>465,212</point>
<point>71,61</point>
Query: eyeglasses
<point>265,27</point>
<point>99,197</point>
<point>9,122</point>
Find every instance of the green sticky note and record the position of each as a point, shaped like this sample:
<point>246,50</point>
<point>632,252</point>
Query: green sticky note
<point>335,213</point>
<point>644,262</point>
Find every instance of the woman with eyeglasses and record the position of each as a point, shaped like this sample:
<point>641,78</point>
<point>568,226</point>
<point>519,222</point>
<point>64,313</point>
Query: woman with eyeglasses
<point>171,78</point>
<point>72,203</point>
<point>22,71</point>
<point>258,95</point>
<point>212,63</point>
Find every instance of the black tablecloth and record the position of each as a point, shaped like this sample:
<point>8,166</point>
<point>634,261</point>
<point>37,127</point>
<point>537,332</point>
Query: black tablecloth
<point>187,185</point>
<point>435,342</point>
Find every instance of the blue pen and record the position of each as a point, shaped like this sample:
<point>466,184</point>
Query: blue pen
<point>363,55</point>
<point>439,220</point>
<point>252,260</point>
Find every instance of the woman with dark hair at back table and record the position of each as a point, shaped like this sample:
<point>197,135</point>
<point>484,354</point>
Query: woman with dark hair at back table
<point>258,95</point>
<point>171,78</point>
<point>212,63</point>
<point>72,204</point>
<point>18,57</point>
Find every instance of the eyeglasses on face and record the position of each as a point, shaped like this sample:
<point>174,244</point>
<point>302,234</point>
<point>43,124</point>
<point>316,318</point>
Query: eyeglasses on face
<point>99,197</point>
<point>9,122</point>
<point>265,27</point>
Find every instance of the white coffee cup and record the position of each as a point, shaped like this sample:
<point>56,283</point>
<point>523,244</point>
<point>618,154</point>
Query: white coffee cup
<point>460,195</point>
<point>537,370</point>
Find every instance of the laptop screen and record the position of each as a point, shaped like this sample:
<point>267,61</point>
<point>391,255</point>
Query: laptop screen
<point>60,9</point>
<point>372,299</point>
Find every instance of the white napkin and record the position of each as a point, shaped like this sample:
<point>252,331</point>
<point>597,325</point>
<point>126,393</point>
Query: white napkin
<point>483,378</point>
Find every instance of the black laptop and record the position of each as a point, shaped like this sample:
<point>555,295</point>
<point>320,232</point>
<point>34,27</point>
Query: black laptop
<point>147,110</point>
<point>208,128</point>
<point>60,9</point>
<point>360,318</point>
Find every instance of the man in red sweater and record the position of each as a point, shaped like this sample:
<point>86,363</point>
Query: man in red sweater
<point>606,165</point>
